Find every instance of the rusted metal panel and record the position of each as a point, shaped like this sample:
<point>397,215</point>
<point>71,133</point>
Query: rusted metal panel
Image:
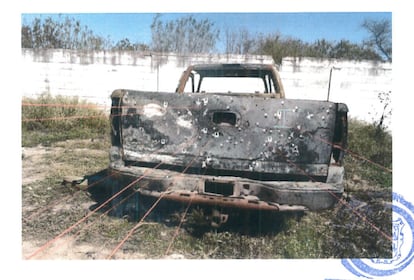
<point>237,192</point>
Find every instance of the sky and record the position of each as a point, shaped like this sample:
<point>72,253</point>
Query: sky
<point>306,26</point>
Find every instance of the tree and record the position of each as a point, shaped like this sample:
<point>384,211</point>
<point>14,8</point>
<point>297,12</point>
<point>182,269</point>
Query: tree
<point>380,36</point>
<point>320,49</point>
<point>183,36</point>
<point>347,50</point>
<point>239,42</point>
<point>271,45</point>
<point>279,47</point>
<point>64,33</point>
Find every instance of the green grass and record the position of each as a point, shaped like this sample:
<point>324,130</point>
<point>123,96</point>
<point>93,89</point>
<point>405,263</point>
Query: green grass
<point>370,154</point>
<point>48,119</point>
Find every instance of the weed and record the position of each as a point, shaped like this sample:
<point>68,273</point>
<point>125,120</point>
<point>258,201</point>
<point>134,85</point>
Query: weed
<point>374,144</point>
<point>49,119</point>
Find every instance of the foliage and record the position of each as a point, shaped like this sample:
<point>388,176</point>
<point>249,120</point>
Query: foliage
<point>239,42</point>
<point>377,46</point>
<point>380,36</point>
<point>374,144</point>
<point>279,47</point>
<point>185,35</point>
<point>48,119</point>
<point>341,50</point>
<point>188,35</point>
<point>126,45</point>
<point>66,33</point>
<point>385,100</point>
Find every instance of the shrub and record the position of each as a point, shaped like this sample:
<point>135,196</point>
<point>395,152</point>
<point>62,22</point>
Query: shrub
<point>370,153</point>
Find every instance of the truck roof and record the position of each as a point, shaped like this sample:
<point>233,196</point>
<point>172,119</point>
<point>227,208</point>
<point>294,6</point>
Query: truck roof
<point>233,70</point>
<point>230,70</point>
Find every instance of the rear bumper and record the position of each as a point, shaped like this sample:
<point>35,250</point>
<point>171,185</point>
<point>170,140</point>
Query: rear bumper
<point>234,192</point>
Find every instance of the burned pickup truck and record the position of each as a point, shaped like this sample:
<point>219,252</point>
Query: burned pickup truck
<point>228,137</point>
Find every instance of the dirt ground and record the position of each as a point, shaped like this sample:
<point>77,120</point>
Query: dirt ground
<point>43,195</point>
<point>59,222</point>
<point>49,206</point>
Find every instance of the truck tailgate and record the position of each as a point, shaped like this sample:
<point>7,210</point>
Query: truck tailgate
<point>249,136</point>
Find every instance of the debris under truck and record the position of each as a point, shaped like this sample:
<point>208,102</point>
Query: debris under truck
<point>228,137</point>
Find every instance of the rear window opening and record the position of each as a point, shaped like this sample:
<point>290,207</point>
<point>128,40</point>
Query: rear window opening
<point>225,189</point>
<point>232,84</point>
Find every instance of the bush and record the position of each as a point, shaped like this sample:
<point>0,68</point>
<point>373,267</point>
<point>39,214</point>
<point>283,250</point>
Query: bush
<point>49,119</point>
<point>370,153</point>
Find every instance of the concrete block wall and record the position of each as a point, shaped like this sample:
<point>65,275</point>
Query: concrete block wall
<point>356,83</point>
<point>94,75</point>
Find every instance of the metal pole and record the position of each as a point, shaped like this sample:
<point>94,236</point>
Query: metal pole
<point>329,85</point>
<point>158,77</point>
